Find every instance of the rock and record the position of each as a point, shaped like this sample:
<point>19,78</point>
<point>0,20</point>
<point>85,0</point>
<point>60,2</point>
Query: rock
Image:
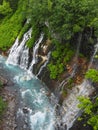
<point>3,81</point>
<point>25,110</point>
<point>61,126</point>
<point>8,119</point>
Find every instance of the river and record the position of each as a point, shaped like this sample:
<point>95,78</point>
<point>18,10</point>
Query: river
<point>35,110</point>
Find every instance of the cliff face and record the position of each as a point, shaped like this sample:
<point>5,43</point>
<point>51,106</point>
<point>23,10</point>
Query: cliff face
<point>68,83</point>
<point>76,66</point>
<point>67,45</point>
<point>73,70</point>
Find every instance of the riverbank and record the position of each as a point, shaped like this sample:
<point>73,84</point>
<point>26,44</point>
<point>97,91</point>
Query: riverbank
<point>9,96</point>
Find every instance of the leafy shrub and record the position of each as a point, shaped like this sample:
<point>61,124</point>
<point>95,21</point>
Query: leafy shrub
<point>60,57</point>
<point>24,30</point>
<point>92,74</point>
<point>90,109</point>
<point>5,8</point>
<point>2,106</point>
<point>10,27</point>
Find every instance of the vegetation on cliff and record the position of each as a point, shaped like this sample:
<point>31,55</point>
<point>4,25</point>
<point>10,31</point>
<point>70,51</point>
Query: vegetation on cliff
<point>62,21</point>
<point>90,105</point>
<point>63,18</point>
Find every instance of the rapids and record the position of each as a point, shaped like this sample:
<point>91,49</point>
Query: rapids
<point>35,111</point>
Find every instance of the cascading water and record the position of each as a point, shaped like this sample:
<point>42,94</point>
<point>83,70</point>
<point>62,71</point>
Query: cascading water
<point>19,52</point>
<point>69,108</point>
<point>35,52</point>
<point>24,58</point>
<point>93,56</point>
<point>74,68</point>
<point>34,108</point>
<point>45,63</point>
<point>35,111</point>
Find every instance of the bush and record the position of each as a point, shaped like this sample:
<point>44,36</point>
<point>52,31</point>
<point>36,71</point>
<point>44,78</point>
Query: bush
<point>60,57</point>
<point>2,106</point>
<point>10,27</point>
<point>92,74</point>
<point>90,109</point>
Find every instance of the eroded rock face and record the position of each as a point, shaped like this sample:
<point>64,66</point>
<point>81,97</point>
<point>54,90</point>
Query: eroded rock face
<point>79,125</point>
<point>3,81</point>
<point>8,119</point>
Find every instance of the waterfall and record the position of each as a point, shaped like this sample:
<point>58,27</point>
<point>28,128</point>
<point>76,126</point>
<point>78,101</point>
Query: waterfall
<point>15,45</point>
<point>19,52</point>
<point>34,110</point>
<point>35,53</point>
<point>24,58</point>
<point>74,67</point>
<point>78,46</point>
<point>93,56</point>
<point>69,108</point>
<point>65,81</point>
<point>45,63</point>
<point>19,55</point>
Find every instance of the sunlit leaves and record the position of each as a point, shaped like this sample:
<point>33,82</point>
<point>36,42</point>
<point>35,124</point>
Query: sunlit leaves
<point>92,74</point>
<point>5,8</point>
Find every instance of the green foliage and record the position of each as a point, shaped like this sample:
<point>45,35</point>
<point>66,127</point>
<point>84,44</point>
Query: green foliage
<point>5,8</point>
<point>64,93</point>
<point>93,121</point>
<point>92,74</point>
<point>10,28</point>
<point>30,42</point>
<point>2,103</point>
<point>89,106</point>
<point>60,57</point>
<point>86,104</point>
<point>90,110</point>
<point>13,4</point>
<point>53,71</point>
<point>2,106</point>
<point>70,83</point>
<point>24,30</point>
<point>68,56</point>
<point>64,17</point>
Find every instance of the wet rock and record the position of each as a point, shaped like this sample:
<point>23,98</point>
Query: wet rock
<point>8,119</point>
<point>61,126</point>
<point>3,81</point>
<point>25,110</point>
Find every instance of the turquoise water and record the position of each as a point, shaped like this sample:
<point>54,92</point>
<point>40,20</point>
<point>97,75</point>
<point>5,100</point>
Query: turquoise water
<point>35,111</point>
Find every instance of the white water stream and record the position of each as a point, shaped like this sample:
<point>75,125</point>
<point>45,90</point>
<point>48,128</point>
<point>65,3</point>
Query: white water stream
<point>45,63</point>
<point>35,53</point>
<point>34,104</point>
<point>70,108</point>
<point>19,52</point>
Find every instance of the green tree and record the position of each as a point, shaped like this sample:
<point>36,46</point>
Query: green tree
<point>90,107</point>
<point>5,8</point>
<point>2,106</point>
<point>92,74</point>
